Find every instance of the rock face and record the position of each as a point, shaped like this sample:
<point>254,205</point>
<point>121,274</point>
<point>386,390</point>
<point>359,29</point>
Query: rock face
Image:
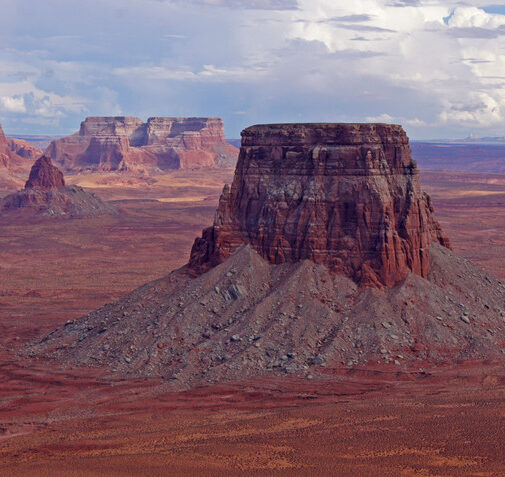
<point>343,195</point>
<point>5,153</point>
<point>45,194</point>
<point>45,176</point>
<point>127,143</point>
<point>24,149</point>
<point>316,214</point>
<point>16,154</point>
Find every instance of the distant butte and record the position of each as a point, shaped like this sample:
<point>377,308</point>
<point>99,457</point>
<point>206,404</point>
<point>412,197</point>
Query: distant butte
<point>44,175</point>
<point>128,144</point>
<point>45,194</point>
<point>324,254</point>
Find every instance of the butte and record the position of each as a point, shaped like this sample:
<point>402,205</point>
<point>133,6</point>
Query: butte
<point>324,254</point>
<point>124,143</point>
<point>45,194</point>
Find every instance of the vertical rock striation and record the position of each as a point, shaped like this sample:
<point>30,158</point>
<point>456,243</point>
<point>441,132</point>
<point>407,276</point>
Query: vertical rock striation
<point>343,195</point>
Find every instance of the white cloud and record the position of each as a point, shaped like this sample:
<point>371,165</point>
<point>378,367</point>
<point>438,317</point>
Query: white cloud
<point>12,104</point>
<point>382,118</point>
<point>436,66</point>
<point>207,73</point>
<point>472,17</point>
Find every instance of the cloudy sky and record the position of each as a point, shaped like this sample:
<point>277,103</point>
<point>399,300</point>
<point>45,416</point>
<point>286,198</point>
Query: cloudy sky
<point>435,66</point>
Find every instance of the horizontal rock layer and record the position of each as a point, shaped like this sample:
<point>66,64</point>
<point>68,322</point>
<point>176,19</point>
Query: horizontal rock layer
<point>343,195</point>
<point>127,143</point>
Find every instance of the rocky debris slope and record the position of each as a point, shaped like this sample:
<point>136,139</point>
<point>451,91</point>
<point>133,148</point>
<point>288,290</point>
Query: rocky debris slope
<point>45,194</point>
<point>247,318</point>
<point>343,195</point>
<point>161,143</point>
<point>255,315</point>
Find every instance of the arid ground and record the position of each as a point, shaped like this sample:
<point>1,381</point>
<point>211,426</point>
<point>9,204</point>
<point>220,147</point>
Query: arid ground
<point>80,422</point>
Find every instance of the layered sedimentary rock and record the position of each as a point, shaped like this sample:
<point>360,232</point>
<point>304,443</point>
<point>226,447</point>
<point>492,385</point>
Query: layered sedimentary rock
<point>45,194</point>
<point>343,195</point>
<point>24,149</point>
<point>161,143</point>
<point>44,175</point>
<point>281,283</point>
<point>15,155</point>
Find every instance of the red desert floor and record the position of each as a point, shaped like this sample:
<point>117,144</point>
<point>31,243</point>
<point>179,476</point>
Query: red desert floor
<point>447,421</point>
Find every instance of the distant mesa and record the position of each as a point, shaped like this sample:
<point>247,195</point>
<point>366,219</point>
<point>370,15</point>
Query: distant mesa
<point>45,194</point>
<point>324,254</point>
<point>129,144</point>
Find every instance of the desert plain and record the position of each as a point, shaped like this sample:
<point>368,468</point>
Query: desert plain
<point>382,421</point>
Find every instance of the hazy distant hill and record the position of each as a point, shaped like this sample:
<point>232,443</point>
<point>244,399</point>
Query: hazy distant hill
<point>38,141</point>
<point>464,156</point>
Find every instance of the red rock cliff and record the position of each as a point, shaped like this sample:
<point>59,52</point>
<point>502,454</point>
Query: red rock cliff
<point>344,195</point>
<point>15,153</point>
<point>120,143</point>
<point>45,176</point>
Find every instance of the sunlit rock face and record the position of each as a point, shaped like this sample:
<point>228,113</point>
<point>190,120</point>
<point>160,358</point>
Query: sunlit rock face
<point>343,195</point>
<point>44,175</point>
<point>127,143</point>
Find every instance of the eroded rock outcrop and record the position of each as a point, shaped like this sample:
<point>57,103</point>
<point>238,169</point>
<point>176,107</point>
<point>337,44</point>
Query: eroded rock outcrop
<point>16,155</point>
<point>45,194</point>
<point>44,175</point>
<point>161,143</point>
<point>343,195</point>
<point>315,215</point>
<point>24,149</point>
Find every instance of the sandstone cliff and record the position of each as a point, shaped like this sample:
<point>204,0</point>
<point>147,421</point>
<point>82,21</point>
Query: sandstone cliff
<point>16,155</point>
<point>127,143</point>
<point>343,195</point>
<point>24,149</point>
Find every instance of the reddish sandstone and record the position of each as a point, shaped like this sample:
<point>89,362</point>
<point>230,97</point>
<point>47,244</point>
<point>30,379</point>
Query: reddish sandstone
<point>343,195</point>
<point>127,143</point>
<point>45,194</point>
<point>44,175</point>
<point>16,154</point>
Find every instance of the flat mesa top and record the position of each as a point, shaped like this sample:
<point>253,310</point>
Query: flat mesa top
<point>153,118</point>
<point>328,133</point>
